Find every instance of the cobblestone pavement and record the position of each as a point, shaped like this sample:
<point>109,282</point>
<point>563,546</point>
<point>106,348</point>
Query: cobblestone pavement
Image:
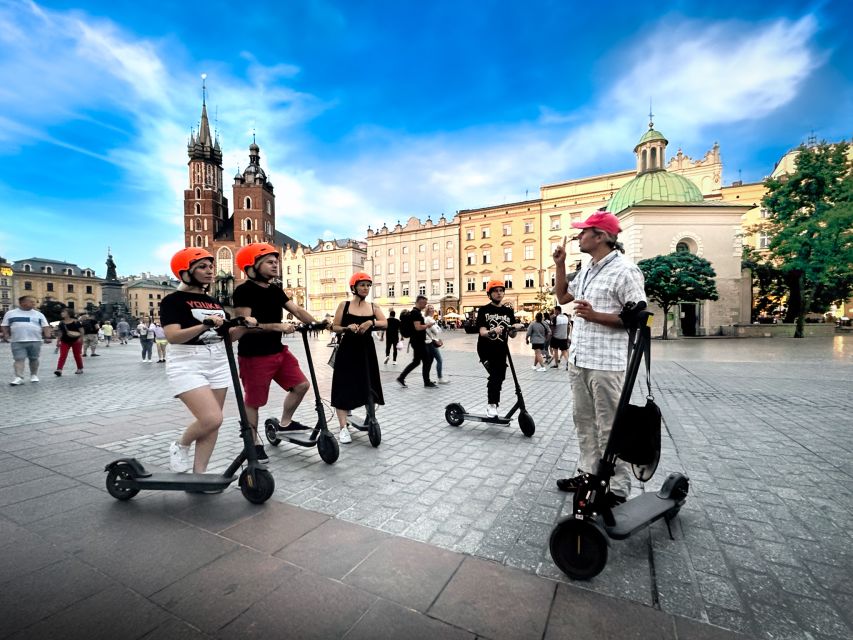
<point>762,427</point>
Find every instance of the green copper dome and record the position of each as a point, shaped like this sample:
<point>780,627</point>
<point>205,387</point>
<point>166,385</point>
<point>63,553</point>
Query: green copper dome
<point>658,186</point>
<point>649,135</point>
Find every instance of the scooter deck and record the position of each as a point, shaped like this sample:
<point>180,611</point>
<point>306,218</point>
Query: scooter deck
<point>180,481</point>
<point>639,512</point>
<point>498,420</point>
<point>302,438</point>
<point>357,423</point>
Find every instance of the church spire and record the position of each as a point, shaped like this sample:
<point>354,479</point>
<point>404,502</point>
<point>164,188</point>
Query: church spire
<point>202,145</point>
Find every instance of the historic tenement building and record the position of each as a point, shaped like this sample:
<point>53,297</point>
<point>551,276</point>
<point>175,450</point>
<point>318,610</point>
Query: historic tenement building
<point>329,265</point>
<point>64,282</point>
<point>418,258</point>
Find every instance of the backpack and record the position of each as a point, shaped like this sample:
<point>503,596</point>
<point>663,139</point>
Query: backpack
<point>407,324</point>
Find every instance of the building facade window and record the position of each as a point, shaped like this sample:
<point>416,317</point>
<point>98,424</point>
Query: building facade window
<point>449,244</point>
<point>486,232</point>
<point>421,248</point>
<point>528,226</point>
<point>507,229</point>
<point>391,290</point>
<point>89,289</point>
<point>528,252</point>
<point>528,281</point>
<point>421,265</point>
<point>507,254</point>
<point>449,263</point>
<point>404,289</point>
<point>422,288</point>
<point>471,284</point>
<point>435,264</point>
<point>487,257</point>
<point>763,240</point>
<point>70,288</point>
<point>436,287</point>
<point>555,223</point>
<point>469,234</point>
<point>448,287</point>
<point>471,258</point>
<point>507,281</point>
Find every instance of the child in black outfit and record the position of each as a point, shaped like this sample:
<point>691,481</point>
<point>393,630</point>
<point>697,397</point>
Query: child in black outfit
<point>494,322</point>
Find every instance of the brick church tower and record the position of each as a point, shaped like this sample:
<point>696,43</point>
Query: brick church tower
<point>207,222</point>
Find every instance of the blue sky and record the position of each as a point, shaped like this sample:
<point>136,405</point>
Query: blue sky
<point>373,111</point>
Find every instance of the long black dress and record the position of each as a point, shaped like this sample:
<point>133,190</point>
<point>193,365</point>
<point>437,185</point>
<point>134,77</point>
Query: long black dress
<point>356,352</point>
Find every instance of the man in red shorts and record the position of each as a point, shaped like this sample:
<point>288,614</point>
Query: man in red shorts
<point>262,356</point>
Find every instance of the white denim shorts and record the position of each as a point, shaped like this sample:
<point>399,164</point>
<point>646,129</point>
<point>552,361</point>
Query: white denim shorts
<point>189,367</point>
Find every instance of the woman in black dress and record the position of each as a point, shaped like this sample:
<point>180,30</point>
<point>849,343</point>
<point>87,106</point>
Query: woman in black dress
<point>354,321</point>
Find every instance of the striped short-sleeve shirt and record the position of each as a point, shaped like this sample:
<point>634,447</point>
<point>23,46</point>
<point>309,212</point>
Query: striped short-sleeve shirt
<point>607,285</point>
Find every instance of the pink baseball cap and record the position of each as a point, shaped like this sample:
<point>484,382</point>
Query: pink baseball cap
<point>603,220</point>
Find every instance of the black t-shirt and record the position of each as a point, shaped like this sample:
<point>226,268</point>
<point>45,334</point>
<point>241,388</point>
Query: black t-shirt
<point>89,326</point>
<point>417,336</point>
<point>393,331</point>
<point>267,305</point>
<point>490,316</point>
<point>189,310</point>
<point>65,328</point>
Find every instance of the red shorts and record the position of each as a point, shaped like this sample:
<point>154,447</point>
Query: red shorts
<point>257,372</point>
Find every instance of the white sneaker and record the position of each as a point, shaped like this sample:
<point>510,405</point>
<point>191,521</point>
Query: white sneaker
<point>443,381</point>
<point>540,368</point>
<point>535,367</point>
<point>344,436</point>
<point>179,458</point>
<point>18,380</point>
<point>34,378</point>
<point>492,411</point>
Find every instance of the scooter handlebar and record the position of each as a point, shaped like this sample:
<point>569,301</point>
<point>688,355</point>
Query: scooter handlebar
<point>493,335</point>
<point>313,326</point>
<point>237,321</point>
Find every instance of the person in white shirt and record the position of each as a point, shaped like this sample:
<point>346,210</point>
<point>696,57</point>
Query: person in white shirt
<point>599,350</point>
<point>559,337</point>
<point>27,328</point>
<point>434,342</point>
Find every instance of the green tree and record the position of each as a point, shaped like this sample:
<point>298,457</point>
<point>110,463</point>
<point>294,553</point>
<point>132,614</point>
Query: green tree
<point>51,310</point>
<point>678,277</point>
<point>768,284</point>
<point>811,227</point>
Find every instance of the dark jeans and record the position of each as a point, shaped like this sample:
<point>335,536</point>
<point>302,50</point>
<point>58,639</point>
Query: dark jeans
<point>493,358</point>
<point>422,355</point>
<point>389,345</point>
<point>147,346</point>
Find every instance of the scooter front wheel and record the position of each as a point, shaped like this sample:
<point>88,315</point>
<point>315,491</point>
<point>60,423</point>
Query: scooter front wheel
<point>270,431</point>
<point>120,472</point>
<point>454,413</point>
<point>374,433</point>
<point>259,489</point>
<point>579,548</point>
<point>526,424</point>
<point>327,447</point>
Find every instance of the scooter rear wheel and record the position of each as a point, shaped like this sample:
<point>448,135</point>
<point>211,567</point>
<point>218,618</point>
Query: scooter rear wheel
<point>270,431</point>
<point>526,423</point>
<point>374,433</point>
<point>579,548</point>
<point>454,413</point>
<point>260,490</point>
<point>120,472</point>
<point>327,447</point>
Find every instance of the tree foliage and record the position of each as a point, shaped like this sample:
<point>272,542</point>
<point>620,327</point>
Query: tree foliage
<point>51,310</point>
<point>678,277</point>
<point>811,226</point>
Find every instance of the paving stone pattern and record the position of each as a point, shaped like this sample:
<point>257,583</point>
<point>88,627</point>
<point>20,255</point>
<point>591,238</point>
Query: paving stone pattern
<point>762,428</point>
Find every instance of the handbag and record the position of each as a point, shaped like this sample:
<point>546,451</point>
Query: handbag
<point>332,357</point>
<point>638,428</point>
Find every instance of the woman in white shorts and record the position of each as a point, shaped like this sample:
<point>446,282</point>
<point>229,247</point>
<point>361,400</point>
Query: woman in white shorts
<point>197,367</point>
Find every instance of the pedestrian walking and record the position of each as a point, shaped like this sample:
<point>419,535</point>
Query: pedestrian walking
<point>262,356</point>
<point>559,338</point>
<point>356,372</point>
<point>417,341</point>
<point>90,334</point>
<point>434,342</point>
<point>161,342</point>
<point>26,328</point>
<point>599,348</point>
<point>123,329</point>
<point>70,339</point>
<point>145,331</point>
<point>392,337</point>
<point>107,329</point>
<point>538,335</point>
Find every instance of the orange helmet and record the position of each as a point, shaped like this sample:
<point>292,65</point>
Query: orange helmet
<point>494,284</point>
<point>248,256</point>
<point>359,276</point>
<point>184,259</point>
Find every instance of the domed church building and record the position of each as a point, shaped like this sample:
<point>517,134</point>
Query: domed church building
<point>661,212</point>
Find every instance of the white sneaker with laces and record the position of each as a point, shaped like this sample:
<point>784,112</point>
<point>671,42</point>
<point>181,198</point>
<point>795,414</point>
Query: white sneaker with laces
<point>443,381</point>
<point>18,380</point>
<point>179,458</point>
<point>344,436</point>
<point>34,378</point>
<point>492,411</point>
<point>540,368</point>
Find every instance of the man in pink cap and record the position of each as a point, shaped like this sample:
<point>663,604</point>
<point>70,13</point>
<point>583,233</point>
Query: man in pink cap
<point>599,350</point>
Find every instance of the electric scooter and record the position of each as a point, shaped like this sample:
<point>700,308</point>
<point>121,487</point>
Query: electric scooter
<point>455,414</point>
<point>320,436</point>
<point>369,423</point>
<point>579,543</point>
<point>127,476</point>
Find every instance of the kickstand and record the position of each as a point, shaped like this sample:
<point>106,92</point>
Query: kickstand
<point>669,527</point>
